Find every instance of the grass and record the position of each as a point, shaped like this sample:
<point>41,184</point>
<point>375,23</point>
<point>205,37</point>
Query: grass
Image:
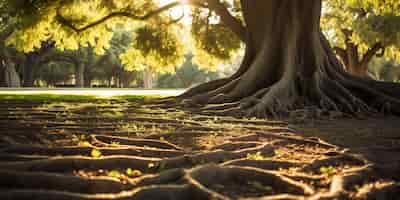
<point>71,98</point>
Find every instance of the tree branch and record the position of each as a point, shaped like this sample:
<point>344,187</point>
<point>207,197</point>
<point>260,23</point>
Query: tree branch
<point>59,58</point>
<point>215,5</point>
<point>61,19</point>
<point>342,54</point>
<point>351,49</point>
<point>373,51</point>
<point>227,18</point>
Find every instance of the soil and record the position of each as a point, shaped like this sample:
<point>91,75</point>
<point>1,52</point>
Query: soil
<point>120,149</point>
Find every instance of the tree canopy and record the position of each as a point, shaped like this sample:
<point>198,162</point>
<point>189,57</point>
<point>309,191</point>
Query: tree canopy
<point>361,30</point>
<point>157,34</point>
<point>156,28</point>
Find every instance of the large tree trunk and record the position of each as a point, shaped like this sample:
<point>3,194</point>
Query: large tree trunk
<point>289,65</point>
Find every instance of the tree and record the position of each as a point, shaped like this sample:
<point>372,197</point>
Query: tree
<point>55,73</point>
<point>360,33</point>
<point>288,62</point>
<point>186,76</point>
<point>384,69</point>
<point>9,58</point>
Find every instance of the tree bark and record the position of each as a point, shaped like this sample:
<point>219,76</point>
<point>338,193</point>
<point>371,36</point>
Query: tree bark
<point>79,75</point>
<point>353,62</point>
<point>29,72</point>
<point>87,77</point>
<point>148,79</point>
<point>2,74</point>
<point>290,65</point>
<point>33,60</point>
<point>10,76</point>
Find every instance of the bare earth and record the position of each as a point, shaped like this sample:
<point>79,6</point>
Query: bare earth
<point>117,149</point>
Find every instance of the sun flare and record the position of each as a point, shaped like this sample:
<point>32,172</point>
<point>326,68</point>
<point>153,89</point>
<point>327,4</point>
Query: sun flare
<point>178,11</point>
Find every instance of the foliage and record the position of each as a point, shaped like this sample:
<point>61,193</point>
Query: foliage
<point>156,47</point>
<point>329,171</point>
<point>385,70</point>
<point>364,23</point>
<point>95,153</point>
<point>155,41</point>
<point>133,173</point>
<point>114,174</point>
<point>255,156</point>
<point>54,73</point>
<point>213,42</point>
<point>186,76</point>
<point>377,6</point>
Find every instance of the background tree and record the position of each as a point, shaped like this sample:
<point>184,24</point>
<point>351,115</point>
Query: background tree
<point>9,57</point>
<point>56,73</point>
<point>186,76</point>
<point>361,32</point>
<point>385,70</point>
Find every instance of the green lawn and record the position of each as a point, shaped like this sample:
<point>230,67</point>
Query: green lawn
<point>67,97</point>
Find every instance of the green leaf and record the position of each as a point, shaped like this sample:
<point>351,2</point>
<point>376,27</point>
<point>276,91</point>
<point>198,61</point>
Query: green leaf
<point>96,153</point>
<point>114,174</point>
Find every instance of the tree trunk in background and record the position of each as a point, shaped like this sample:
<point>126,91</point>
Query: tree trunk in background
<point>79,75</point>
<point>11,76</point>
<point>148,79</point>
<point>88,83</point>
<point>351,61</point>
<point>29,73</point>
<point>358,70</point>
<point>87,78</point>
<point>2,74</point>
<point>127,78</point>
<point>355,63</point>
<point>109,82</point>
<point>290,65</point>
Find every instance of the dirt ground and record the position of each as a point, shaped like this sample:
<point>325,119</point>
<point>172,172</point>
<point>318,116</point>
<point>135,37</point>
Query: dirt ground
<point>120,149</point>
<point>377,138</point>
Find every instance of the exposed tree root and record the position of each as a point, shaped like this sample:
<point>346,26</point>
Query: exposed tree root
<point>335,162</point>
<point>135,142</point>
<point>265,164</point>
<point>19,157</point>
<point>233,146</point>
<point>70,163</point>
<point>29,180</point>
<point>86,151</point>
<point>378,191</point>
<point>214,175</point>
<point>169,192</point>
<point>270,162</point>
<point>205,182</point>
<point>285,139</point>
<point>195,186</point>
